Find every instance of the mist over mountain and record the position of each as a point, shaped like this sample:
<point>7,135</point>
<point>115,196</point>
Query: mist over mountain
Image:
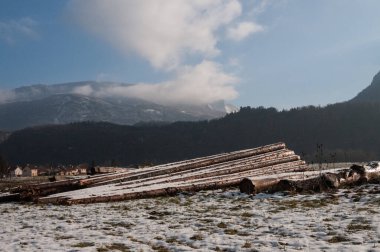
<point>92,101</point>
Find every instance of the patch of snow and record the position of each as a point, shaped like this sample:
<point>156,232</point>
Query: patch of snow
<point>348,220</point>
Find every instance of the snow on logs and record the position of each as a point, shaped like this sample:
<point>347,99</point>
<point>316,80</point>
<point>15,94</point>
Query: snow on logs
<point>311,181</point>
<point>212,172</point>
<point>268,168</point>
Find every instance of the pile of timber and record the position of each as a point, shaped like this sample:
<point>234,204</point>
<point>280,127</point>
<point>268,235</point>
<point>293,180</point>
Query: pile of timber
<point>268,168</point>
<point>212,172</point>
<point>312,181</point>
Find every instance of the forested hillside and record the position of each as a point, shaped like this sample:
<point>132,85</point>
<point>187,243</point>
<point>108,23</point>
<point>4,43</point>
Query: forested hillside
<point>348,132</point>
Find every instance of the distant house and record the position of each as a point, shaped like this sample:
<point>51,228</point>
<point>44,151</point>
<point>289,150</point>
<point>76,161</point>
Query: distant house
<point>82,169</point>
<point>30,171</point>
<point>72,172</point>
<point>27,172</point>
<point>34,172</point>
<point>17,172</point>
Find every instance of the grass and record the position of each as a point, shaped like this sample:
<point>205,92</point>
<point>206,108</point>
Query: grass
<point>119,224</point>
<point>353,227</point>
<point>160,214</point>
<point>120,207</point>
<point>283,205</point>
<point>230,231</point>
<point>337,239</point>
<point>83,244</point>
<point>171,240</point>
<point>160,248</point>
<point>114,246</point>
<point>197,237</point>
<point>64,237</point>
<point>222,225</point>
<point>247,245</point>
<point>246,214</point>
<point>174,200</point>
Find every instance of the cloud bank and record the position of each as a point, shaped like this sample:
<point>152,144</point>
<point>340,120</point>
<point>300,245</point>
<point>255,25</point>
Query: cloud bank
<point>167,33</point>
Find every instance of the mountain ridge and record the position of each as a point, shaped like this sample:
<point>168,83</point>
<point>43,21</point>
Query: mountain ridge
<point>68,102</point>
<point>370,93</point>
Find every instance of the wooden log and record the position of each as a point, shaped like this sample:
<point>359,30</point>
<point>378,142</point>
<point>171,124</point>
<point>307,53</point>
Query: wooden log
<point>315,184</point>
<point>140,192</point>
<point>232,163</point>
<point>284,167</point>
<point>32,191</point>
<point>204,162</point>
<point>9,197</point>
<point>212,181</point>
<point>165,191</point>
<point>250,186</point>
<point>321,183</point>
<point>293,166</point>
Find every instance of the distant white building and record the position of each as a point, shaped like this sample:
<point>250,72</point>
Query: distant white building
<point>30,171</point>
<point>17,172</point>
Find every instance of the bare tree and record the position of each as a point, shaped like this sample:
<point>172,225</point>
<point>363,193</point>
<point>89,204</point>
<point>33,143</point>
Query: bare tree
<point>3,167</point>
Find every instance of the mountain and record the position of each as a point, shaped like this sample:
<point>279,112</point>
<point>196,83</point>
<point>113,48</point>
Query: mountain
<point>75,102</point>
<point>371,93</point>
<point>347,130</point>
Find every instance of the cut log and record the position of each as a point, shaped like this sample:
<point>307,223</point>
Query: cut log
<point>191,165</point>
<point>165,191</point>
<point>315,183</point>
<point>206,176</point>
<point>9,197</point>
<point>31,192</point>
<point>112,192</point>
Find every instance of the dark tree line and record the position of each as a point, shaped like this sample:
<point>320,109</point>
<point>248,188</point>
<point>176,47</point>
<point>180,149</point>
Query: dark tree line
<point>348,132</point>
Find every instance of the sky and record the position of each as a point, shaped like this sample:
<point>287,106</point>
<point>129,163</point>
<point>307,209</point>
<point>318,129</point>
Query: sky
<point>271,53</point>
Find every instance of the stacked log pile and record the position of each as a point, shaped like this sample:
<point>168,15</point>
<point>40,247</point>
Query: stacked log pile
<point>311,181</point>
<point>268,168</point>
<point>212,172</point>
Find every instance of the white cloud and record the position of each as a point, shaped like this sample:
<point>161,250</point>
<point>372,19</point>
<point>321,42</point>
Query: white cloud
<point>243,30</point>
<point>161,31</point>
<point>11,31</point>
<point>260,6</point>
<point>166,33</point>
<point>83,90</point>
<point>200,84</point>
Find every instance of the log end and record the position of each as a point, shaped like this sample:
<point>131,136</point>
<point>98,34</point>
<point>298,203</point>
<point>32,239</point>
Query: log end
<point>330,180</point>
<point>283,185</point>
<point>247,186</point>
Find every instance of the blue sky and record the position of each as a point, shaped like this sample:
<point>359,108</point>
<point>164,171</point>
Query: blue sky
<point>281,53</point>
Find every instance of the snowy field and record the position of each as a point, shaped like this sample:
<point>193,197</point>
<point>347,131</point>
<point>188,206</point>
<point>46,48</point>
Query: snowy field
<point>348,220</point>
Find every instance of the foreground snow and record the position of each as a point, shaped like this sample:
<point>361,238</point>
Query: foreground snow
<point>348,220</point>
